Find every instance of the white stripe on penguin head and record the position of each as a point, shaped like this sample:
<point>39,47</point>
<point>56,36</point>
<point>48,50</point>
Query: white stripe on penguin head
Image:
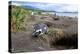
<point>39,30</point>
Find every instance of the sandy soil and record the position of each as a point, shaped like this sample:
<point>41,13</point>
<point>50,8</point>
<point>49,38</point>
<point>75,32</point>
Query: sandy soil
<point>23,41</point>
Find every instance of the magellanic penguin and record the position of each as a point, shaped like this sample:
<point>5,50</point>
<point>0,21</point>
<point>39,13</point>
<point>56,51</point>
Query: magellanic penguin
<point>39,29</point>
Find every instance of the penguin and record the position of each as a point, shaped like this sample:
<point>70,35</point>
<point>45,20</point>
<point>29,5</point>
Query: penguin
<point>39,29</point>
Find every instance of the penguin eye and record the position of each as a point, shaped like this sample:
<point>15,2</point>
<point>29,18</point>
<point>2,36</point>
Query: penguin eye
<point>39,31</point>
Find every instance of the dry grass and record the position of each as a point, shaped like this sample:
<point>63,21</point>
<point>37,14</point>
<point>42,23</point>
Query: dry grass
<point>51,36</point>
<point>56,36</point>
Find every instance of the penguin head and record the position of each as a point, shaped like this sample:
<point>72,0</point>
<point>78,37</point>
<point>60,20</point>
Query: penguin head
<point>37,33</point>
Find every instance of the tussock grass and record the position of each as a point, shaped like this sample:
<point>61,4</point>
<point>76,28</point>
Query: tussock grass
<point>55,32</point>
<point>51,36</point>
<point>58,37</point>
<point>18,18</point>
